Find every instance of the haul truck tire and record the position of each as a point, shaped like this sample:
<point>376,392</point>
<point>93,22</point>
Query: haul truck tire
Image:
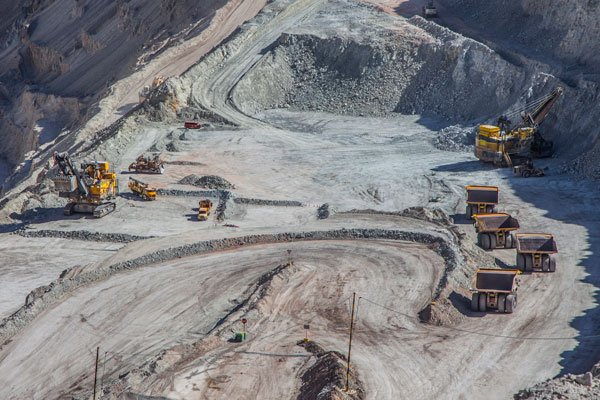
<point>521,261</point>
<point>545,263</point>
<point>482,302</point>
<point>475,302</point>
<point>528,262</point>
<point>508,241</point>
<point>493,241</point>
<point>511,303</point>
<point>552,264</point>
<point>501,303</point>
<point>469,211</point>
<point>485,241</point>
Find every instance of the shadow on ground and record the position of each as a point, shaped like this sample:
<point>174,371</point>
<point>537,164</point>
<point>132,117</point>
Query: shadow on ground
<point>572,202</point>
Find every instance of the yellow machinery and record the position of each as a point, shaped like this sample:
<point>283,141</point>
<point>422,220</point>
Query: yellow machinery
<point>535,250</point>
<point>88,189</point>
<point>494,231</point>
<point>481,200</point>
<point>151,164</point>
<point>142,189</point>
<point>495,289</point>
<point>146,90</point>
<point>204,207</point>
<point>501,144</point>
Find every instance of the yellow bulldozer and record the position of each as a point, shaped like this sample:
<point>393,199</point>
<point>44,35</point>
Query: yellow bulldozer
<point>148,164</point>
<point>506,144</point>
<point>88,188</point>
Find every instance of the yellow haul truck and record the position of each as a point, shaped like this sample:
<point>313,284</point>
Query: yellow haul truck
<point>494,231</point>
<point>142,189</point>
<point>535,250</point>
<point>495,289</point>
<point>481,200</point>
<point>204,207</point>
<point>507,144</point>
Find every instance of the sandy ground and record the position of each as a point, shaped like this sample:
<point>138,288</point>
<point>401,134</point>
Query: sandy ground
<point>387,164</point>
<point>29,263</point>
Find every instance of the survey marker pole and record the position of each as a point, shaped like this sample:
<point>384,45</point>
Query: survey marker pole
<point>350,342</point>
<point>96,371</point>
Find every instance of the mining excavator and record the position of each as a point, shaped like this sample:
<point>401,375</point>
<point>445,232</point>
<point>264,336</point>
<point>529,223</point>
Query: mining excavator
<point>507,145</point>
<point>89,189</point>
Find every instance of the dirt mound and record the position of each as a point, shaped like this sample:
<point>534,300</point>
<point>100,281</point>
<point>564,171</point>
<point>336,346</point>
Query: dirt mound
<point>207,181</point>
<point>422,68</point>
<point>325,379</point>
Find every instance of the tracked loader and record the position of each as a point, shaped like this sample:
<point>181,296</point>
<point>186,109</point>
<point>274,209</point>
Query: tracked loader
<point>535,252</point>
<point>495,289</point>
<point>89,189</point>
<point>481,200</point>
<point>494,231</point>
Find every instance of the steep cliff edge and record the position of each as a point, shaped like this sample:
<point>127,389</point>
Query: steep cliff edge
<point>57,58</point>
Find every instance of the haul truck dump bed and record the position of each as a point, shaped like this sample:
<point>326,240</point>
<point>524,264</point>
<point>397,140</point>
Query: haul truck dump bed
<point>495,289</point>
<point>493,230</point>
<point>534,251</point>
<point>481,200</point>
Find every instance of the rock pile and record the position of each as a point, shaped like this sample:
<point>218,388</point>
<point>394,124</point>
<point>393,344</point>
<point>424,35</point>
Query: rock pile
<point>207,181</point>
<point>455,138</point>
<point>584,386</point>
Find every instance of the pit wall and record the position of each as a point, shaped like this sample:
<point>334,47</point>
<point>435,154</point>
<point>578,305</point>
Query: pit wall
<point>423,68</point>
<point>435,72</point>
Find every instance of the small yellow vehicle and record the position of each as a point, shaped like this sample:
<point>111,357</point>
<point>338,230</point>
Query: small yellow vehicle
<point>142,189</point>
<point>494,231</point>
<point>481,200</point>
<point>534,252</point>
<point>495,289</point>
<point>204,208</point>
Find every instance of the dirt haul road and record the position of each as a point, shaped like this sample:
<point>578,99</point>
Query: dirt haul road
<point>156,310</point>
<point>214,92</point>
<point>349,162</point>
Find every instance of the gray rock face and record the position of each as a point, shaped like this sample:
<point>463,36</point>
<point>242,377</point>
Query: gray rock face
<point>59,56</point>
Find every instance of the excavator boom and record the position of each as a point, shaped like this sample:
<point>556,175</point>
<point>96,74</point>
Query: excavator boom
<point>535,118</point>
<point>68,169</point>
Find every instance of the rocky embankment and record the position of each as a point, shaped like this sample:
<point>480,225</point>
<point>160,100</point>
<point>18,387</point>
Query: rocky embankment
<point>57,58</point>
